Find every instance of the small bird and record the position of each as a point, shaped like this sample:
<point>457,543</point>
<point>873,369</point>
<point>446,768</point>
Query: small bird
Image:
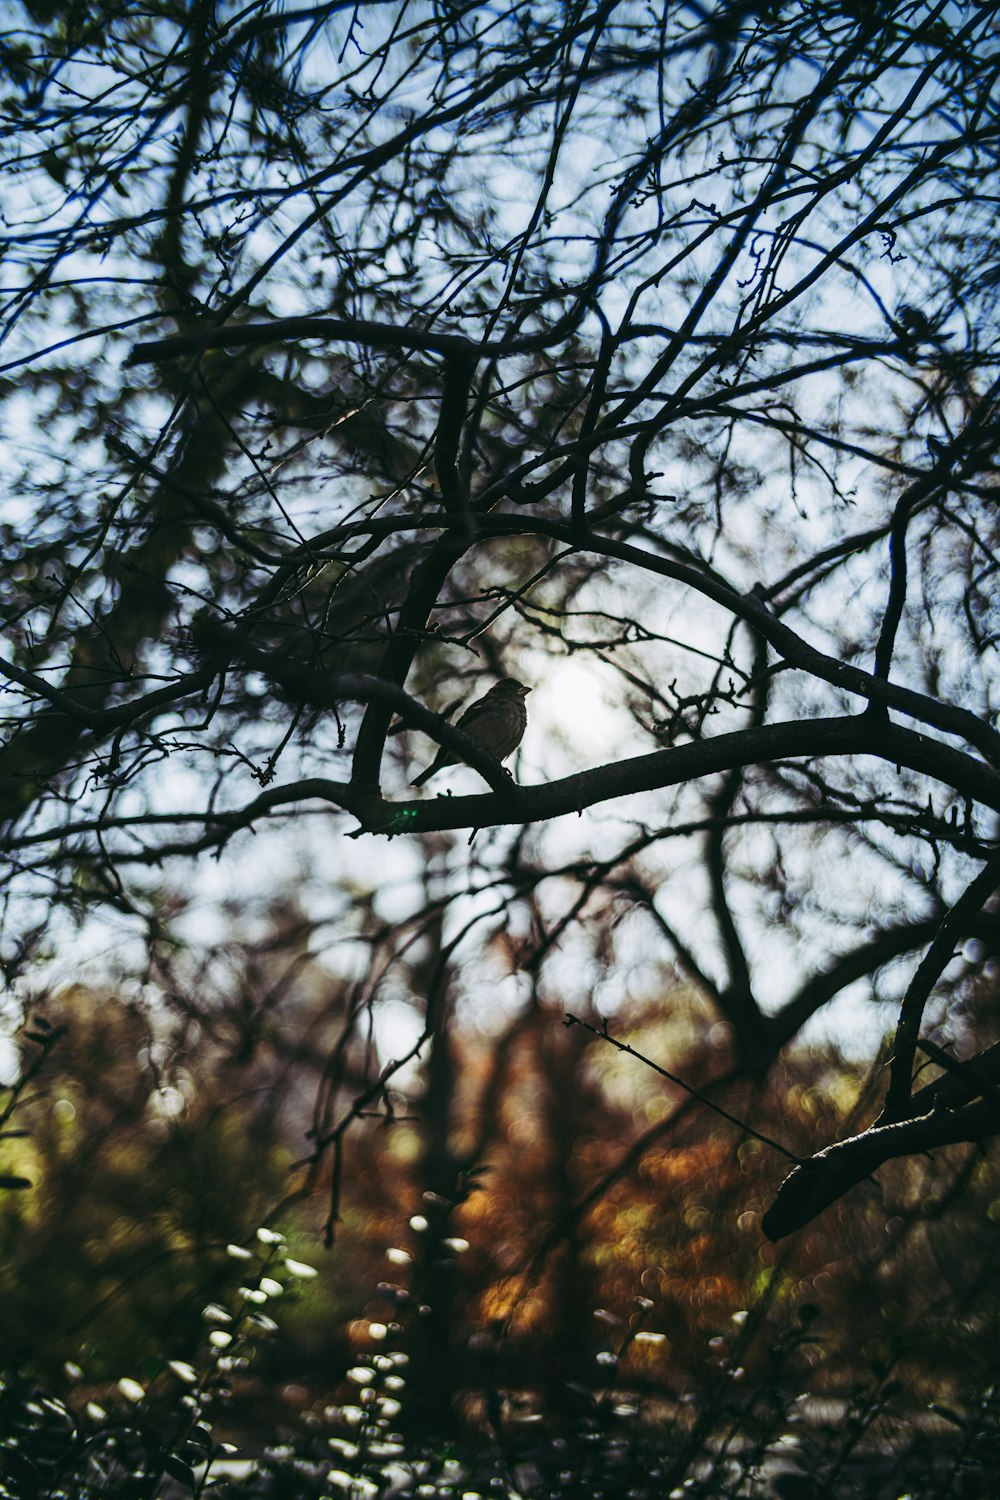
<point>496,721</point>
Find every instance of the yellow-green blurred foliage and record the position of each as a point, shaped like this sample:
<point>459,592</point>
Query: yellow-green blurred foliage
<point>596,1183</point>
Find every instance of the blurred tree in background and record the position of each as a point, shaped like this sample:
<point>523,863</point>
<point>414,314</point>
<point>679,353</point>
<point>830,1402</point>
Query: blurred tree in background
<point>355,356</point>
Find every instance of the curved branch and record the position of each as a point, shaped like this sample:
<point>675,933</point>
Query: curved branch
<point>860,963</point>
<point>512,805</point>
<point>929,971</point>
<point>828,1175</point>
<point>751,608</point>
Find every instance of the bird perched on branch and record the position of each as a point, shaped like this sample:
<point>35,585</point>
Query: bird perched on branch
<point>496,721</point>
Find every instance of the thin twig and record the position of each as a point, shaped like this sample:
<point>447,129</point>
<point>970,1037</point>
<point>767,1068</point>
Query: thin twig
<point>605,1036</point>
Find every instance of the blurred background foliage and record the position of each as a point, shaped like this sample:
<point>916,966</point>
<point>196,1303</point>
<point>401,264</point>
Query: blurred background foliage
<point>533,1190</point>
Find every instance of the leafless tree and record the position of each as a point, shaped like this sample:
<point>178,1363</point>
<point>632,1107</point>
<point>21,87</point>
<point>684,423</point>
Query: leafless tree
<point>354,355</point>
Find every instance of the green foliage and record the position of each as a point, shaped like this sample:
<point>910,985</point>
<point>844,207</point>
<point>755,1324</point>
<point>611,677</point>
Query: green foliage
<point>739,1440</point>
<point>133,1437</point>
<point>735,1372</point>
<point>137,1189</point>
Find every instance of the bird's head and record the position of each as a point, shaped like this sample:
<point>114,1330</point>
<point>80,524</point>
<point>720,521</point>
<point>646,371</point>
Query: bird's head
<point>509,687</point>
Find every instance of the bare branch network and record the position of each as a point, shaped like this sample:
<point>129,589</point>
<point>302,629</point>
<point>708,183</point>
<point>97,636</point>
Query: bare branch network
<point>357,358</point>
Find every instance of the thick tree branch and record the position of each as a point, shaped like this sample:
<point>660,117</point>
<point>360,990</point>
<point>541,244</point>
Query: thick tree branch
<point>513,805</point>
<point>935,961</point>
<point>828,1175</point>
